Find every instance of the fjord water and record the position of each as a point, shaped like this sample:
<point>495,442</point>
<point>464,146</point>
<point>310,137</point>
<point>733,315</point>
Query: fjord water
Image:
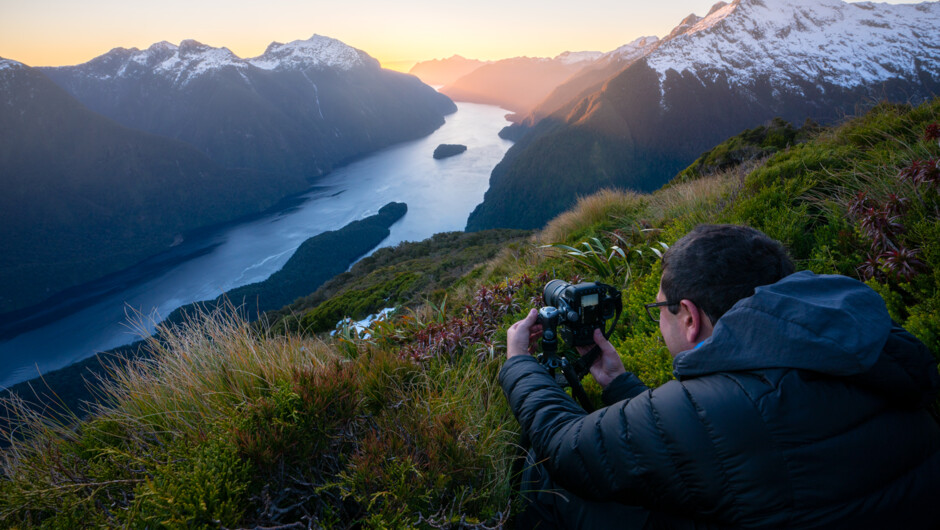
<point>440,194</point>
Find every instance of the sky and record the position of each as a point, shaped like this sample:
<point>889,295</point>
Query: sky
<point>397,33</point>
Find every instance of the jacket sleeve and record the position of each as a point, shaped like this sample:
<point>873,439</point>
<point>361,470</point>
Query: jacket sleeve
<point>615,453</point>
<point>626,386</point>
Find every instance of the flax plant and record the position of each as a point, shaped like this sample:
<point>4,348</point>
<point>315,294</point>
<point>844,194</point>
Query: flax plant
<point>610,263</point>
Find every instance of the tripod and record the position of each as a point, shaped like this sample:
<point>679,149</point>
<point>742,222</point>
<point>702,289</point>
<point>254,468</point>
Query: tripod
<point>570,373</point>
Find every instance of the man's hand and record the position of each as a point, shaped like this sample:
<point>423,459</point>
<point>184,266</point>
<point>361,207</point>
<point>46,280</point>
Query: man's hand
<point>608,365</point>
<point>521,336</point>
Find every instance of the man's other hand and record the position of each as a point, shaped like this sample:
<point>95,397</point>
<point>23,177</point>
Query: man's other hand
<point>521,336</point>
<point>608,365</point>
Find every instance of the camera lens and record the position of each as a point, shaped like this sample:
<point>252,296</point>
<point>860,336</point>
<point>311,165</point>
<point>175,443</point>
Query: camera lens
<point>553,290</point>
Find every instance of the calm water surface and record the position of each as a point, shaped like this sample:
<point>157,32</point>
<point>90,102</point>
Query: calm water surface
<point>440,194</point>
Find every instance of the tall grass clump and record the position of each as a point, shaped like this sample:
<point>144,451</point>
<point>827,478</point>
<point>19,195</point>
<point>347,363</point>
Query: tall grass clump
<point>225,424</point>
<point>205,366</point>
<point>607,207</point>
<point>157,433</point>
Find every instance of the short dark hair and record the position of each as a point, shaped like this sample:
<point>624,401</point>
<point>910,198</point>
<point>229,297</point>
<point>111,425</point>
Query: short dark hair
<point>714,266</point>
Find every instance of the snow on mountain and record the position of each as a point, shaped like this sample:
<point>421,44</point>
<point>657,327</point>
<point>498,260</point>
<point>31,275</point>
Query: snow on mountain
<point>318,51</point>
<point>784,41</point>
<point>633,50</point>
<point>192,59</point>
<point>8,72</point>
<point>578,57</point>
<point>181,64</point>
<point>8,64</point>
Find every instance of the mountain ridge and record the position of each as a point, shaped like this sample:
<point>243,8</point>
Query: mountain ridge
<point>518,83</point>
<point>445,71</point>
<point>653,118</point>
<point>300,108</point>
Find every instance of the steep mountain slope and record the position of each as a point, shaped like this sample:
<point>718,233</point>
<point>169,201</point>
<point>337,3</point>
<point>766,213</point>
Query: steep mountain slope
<point>590,78</point>
<point>743,64</point>
<point>517,84</point>
<point>444,71</point>
<point>84,196</point>
<point>300,108</point>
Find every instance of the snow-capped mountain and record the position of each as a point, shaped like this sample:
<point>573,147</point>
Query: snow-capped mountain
<point>300,108</point>
<point>8,69</point>
<point>191,59</point>
<point>578,57</point>
<point>181,64</point>
<point>740,65</point>
<point>786,43</point>
<point>7,64</point>
<point>632,51</point>
<point>316,52</point>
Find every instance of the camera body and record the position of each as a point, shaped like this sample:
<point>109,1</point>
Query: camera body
<point>580,309</point>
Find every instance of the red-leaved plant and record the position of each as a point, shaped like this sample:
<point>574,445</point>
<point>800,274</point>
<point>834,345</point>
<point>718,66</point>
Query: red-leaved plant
<point>932,132</point>
<point>883,224</point>
<point>477,325</point>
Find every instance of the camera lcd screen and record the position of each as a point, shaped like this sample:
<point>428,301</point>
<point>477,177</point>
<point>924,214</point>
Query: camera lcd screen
<point>589,300</point>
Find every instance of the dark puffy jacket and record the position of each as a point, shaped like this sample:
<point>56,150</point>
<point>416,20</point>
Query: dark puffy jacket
<point>805,409</point>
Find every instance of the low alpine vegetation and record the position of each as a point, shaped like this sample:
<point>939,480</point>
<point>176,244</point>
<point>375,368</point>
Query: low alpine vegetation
<point>232,425</point>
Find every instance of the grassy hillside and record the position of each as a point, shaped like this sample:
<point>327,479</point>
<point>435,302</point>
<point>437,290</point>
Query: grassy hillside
<point>235,426</point>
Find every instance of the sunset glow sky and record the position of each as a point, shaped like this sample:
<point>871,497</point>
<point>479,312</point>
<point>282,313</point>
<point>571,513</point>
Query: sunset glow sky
<point>65,32</point>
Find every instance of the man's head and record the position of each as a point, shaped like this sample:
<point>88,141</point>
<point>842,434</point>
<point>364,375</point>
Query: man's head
<point>708,271</point>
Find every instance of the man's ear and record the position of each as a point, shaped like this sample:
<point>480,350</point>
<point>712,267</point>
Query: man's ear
<point>695,325</point>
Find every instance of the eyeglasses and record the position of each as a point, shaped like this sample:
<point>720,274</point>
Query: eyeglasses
<point>650,307</point>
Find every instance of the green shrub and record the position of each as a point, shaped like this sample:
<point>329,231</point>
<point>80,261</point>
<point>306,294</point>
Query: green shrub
<point>203,486</point>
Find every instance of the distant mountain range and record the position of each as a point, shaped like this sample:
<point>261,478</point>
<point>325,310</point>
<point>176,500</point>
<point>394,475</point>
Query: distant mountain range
<point>300,108</point>
<point>440,72</point>
<point>589,78</point>
<point>741,65</point>
<point>516,84</point>
<point>107,163</point>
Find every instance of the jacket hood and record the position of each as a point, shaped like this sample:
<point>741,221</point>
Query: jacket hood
<point>829,324</point>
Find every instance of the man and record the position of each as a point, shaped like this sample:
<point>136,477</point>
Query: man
<point>797,404</point>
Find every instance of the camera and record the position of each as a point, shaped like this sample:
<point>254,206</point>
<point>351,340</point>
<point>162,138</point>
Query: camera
<point>579,309</point>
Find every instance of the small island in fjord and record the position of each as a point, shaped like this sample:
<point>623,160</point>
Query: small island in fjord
<point>448,150</point>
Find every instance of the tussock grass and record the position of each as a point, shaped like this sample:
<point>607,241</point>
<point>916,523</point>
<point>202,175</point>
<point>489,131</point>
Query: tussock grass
<point>225,421</point>
<point>603,207</point>
<point>202,368</point>
<point>198,375</point>
<point>701,198</point>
